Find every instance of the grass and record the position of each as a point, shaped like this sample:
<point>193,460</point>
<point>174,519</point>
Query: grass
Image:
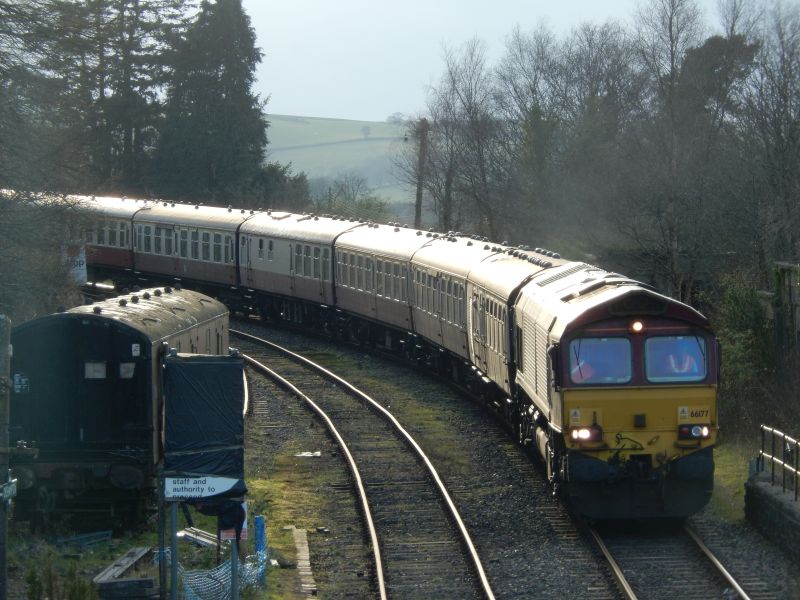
<point>731,461</point>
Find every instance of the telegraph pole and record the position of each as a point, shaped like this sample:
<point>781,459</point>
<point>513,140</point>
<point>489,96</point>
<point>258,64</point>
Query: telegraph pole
<point>422,136</point>
<point>7,486</point>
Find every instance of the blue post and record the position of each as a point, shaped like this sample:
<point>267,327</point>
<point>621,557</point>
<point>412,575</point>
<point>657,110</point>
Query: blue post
<point>262,553</point>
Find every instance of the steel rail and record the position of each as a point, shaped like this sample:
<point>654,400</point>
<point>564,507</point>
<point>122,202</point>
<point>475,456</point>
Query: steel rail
<point>465,537</point>
<point>616,571</point>
<point>362,492</point>
<point>728,577</point>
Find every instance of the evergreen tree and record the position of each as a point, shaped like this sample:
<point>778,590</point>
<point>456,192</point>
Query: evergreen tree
<point>87,82</point>
<point>214,135</point>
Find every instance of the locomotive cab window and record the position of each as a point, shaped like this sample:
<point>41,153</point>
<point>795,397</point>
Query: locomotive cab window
<point>675,358</point>
<point>594,360</point>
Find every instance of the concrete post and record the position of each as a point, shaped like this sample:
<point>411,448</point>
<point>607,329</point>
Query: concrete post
<point>5,371</point>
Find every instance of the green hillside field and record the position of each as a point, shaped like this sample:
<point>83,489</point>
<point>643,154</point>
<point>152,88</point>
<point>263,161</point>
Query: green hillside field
<point>331,147</point>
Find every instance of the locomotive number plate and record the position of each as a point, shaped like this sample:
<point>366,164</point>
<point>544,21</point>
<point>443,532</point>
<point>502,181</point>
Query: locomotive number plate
<point>693,414</point>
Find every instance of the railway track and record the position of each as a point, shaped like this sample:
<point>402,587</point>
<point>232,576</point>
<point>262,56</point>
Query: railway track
<point>421,546</point>
<point>668,561</point>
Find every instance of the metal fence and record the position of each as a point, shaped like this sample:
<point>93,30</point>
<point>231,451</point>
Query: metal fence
<point>781,455</point>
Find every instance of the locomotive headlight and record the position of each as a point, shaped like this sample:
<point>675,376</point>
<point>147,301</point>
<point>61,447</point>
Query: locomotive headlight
<point>636,326</point>
<point>694,432</point>
<point>587,434</point>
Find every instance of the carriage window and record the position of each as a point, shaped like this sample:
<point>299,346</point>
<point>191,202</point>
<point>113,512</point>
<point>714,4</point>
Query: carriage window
<point>169,236</point>
<point>112,234</point>
<point>184,243</point>
<point>195,245</point>
<point>298,259</point>
<point>316,262</point>
<point>370,280</point>
<point>148,233</point>
<point>260,249</point>
<point>402,283</point>
<point>600,360</point>
<point>205,245</point>
<point>307,261</point>
<point>101,232</point>
<point>379,277</point>
<point>462,304</point>
<point>270,248</point>
<point>442,298</point>
<point>157,241</point>
<point>449,309</point>
<point>326,255</point>
<point>217,247</point>
<point>228,249</point>
<point>429,293</point>
<point>675,358</point>
<point>123,235</point>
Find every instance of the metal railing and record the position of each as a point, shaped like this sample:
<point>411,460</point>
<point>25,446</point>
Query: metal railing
<point>780,452</point>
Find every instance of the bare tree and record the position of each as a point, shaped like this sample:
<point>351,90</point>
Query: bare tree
<point>34,229</point>
<point>773,120</point>
<point>666,30</point>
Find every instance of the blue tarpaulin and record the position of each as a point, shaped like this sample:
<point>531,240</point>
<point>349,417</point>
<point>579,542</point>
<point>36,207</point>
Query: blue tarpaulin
<point>204,424</point>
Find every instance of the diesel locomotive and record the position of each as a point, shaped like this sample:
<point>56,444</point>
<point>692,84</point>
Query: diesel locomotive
<point>611,383</point>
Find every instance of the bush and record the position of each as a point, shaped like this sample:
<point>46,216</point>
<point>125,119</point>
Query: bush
<point>747,377</point>
<point>46,584</point>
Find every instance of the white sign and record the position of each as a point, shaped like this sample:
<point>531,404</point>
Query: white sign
<point>75,256</point>
<point>186,488</point>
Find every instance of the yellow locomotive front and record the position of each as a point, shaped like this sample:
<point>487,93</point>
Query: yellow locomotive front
<point>638,416</point>
<point>617,390</point>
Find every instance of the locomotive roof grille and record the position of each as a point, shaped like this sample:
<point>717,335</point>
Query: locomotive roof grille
<point>561,275</point>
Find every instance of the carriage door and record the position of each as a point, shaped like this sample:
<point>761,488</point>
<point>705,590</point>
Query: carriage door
<point>478,328</point>
<point>245,260</point>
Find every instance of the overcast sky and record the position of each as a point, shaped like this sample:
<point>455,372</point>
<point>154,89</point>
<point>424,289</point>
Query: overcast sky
<point>367,59</point>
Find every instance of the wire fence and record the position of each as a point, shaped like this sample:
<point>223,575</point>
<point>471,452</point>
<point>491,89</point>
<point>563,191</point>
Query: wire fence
<point>215,584</point>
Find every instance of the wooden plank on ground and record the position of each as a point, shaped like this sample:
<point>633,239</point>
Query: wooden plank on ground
<point>122,564</point>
